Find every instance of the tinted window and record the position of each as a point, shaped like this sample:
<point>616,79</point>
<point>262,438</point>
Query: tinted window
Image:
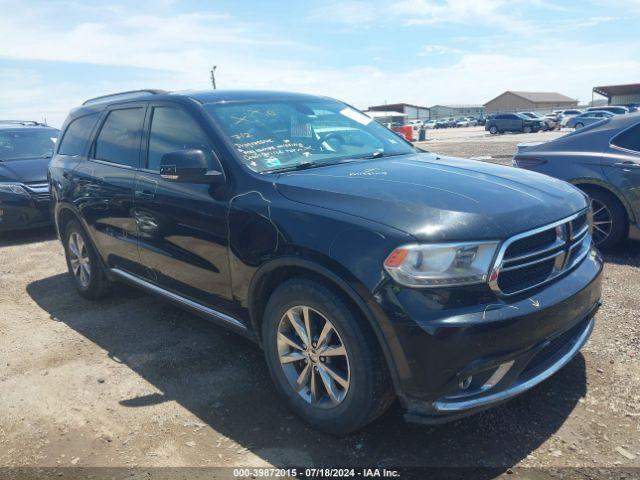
<point>119,139</point>
<point>27,143</point>
<point>501,117</point>
<point>174,129</point>
<point>74,141</point>
<point>629,139</point>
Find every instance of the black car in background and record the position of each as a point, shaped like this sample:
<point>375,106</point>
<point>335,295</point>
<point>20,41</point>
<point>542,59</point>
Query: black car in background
<point>603,160</point>
<point>366,270</point>
<point>25,150</point>
<point>513,122</point>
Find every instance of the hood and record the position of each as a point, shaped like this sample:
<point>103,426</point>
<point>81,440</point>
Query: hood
<point>24,171</point>
<point>437,198</point>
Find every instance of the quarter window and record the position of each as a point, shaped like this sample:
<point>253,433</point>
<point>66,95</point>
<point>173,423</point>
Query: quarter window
<point>629,139</point>
<point>119,139</point>
<point>173,129</point>
<point>76,137</point>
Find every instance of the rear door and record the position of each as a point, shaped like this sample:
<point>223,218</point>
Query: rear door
<point>183,232</point>
<point>621,163</point>
<point>108,181</point>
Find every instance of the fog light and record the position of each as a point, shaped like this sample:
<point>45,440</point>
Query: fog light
<point>464,384</point>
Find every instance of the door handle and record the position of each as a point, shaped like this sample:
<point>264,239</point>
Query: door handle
<point>629,165</point>
<point>146,194</point>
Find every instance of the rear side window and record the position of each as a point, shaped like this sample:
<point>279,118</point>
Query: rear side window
<point>174,129</point>
<point>76,136</point>
<point>629,139</point>
<point>119,138</point>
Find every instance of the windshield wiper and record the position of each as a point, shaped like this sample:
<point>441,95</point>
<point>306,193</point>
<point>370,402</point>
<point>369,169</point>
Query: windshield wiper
<point>298,166</point>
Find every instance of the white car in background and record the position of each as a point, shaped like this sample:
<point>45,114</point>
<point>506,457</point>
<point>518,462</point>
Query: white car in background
<point>565,115</point>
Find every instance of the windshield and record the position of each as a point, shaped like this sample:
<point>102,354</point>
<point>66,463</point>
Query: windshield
<point>289,134</point>
<point>23,144</point>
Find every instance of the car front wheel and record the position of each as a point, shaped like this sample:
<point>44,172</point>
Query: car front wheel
<point>527,129</point>
<point>325,363</point>
<point>493,129</point>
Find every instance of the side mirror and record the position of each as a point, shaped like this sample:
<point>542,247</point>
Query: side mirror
<point>189,166</point>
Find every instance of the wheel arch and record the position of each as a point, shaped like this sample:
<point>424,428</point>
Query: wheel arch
<point>63,215</point>
<point>274,272</point>
<point>585,184</point>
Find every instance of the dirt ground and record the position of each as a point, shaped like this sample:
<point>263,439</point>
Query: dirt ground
<point>132,381</point>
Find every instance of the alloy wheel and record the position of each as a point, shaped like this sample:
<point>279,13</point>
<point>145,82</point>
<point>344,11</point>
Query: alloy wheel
<point>602,221</point>
<point>79,259</point>
<point>313,357</point>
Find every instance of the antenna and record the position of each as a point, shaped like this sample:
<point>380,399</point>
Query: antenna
<point>213,76</point>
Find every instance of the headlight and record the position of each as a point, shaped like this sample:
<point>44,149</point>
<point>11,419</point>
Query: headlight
<point>14,188</point>
<point>441,265</point>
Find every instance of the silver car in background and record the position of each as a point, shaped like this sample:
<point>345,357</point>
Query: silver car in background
<point>587,118</point>
<point>602,160</point>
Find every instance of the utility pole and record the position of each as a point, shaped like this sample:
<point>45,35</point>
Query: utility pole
<point>213,76</point>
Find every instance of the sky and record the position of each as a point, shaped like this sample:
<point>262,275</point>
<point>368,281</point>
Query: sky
<point>54,54</point>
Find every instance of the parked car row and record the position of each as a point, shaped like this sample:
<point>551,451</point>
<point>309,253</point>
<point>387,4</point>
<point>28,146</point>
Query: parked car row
<point>528,122</point>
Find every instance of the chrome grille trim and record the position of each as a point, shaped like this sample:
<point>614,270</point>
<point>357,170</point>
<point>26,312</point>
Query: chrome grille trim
<point>38,190</point>
<point>528,264</point>
<point>565,244</point>
<point>38,187</point>
<point>556,245</point>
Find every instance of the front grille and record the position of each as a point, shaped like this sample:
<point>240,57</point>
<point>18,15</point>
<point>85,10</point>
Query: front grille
<point>528,244</point>
<point>38,190</point>
<point>534,258</point>
<point>522,278</point>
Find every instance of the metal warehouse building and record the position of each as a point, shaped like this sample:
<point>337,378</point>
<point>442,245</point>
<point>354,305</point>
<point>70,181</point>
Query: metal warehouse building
<point>620,94</point>
<point>412,112</point>
<point>511,101</point>
<point>443,111</point>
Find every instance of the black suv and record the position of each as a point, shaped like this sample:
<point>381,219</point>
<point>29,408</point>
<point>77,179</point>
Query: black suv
<point>365,270</point>
<point>25,150</point>
<point>513,122</point>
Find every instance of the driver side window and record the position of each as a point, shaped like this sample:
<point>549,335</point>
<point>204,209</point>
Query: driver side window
<point>174,129</point>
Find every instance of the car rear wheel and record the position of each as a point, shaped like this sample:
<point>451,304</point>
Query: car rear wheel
<point>324,362</point>
<point>83,263</point>
<point>493,129</point>
<point>609,219</point>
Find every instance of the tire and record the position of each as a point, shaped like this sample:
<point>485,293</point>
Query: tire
<point>617,214</point>
<point>83,263</point>
<point>493,130</point>
<point>579,125</point>
<point>527,129</point>
<point>369,392</point>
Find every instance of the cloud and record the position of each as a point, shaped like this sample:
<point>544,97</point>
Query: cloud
<point>355,13</point>
<point>96,50</point>
<point>439,50</point>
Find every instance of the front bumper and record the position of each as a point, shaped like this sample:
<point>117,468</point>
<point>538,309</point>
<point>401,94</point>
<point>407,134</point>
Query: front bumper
<point>19,212</point>
<point>456,355</point>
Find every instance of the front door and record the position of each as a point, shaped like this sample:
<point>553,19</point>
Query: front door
<point>107,181</point>
<point>182,227</point>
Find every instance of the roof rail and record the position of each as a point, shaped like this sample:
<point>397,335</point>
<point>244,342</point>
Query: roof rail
<point>130,93</point>
<point>23,122</point>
